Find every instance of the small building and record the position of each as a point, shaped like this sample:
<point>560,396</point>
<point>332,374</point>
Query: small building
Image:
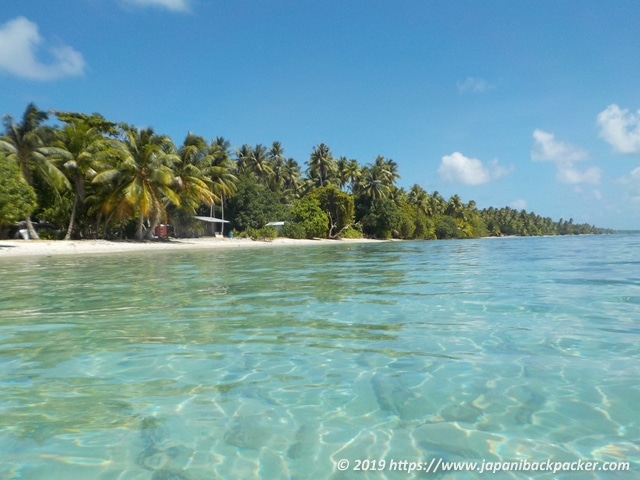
<point>278,225</point>
<point>213,227</point>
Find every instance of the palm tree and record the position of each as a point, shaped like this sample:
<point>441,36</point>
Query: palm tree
<point>322,166</point>
<point>456,209</point>
<point>143,181</point>
<point>24,144</point>
<point>342,170</point>
<point>192,184</point>
<point>291,175</point>
<point>438,203</point>
<point>372,183</point>
<point>220,171</point>
<point>417,196</point>
<point>276,160</point>
<point>243,155</point>
<point>82,143</point>
<point>258,163</point>
<point>388,170</point>
<point>353,172</point>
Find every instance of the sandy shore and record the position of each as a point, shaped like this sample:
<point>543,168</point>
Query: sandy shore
<point>28,248</point>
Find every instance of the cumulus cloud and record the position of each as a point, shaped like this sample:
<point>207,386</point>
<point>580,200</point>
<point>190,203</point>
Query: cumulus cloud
<point>519,204</point>
<point>563,155</point>
<point>470,171</point>
<point>620,128</point>
<point>173,5</point>
<point>568,174</point>
<point>631,183</point>
<point>546,147</point>
<point>474,85</point>
<point>19,43</point>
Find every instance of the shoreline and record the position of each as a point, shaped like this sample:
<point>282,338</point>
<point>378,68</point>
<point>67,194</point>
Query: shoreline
<point>34,248</point>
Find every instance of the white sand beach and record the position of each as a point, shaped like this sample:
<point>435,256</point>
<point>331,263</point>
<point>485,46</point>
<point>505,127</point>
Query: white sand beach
<point>27,248</point>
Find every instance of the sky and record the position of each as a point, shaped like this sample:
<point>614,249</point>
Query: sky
<point>527,104</point>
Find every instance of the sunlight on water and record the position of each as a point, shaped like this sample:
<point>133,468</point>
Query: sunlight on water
<point>277,363</point>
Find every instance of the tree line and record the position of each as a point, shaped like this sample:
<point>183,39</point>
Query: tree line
<point>92,178</point>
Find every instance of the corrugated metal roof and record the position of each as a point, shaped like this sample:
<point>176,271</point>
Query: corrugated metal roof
<point>211,219</point>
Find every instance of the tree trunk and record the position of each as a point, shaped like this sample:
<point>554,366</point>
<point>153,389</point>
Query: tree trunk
<point>77,197</point>
<point>139,231</point>
<point>32,231</point>
<point>153,223</point>
<point>72,221</point>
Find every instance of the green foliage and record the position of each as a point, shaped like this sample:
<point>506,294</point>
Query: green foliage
<point>48,235</point>
<point>307,213</point>
<point>56,209</point>
<point>184,224</point>
<point>446,227</point>
<point>425,228</point>
<point>354,231</point>
<point>253,205</point>
<point>293,230</point>
<point>338,206</point>
<point>17,198</point>
<point>382,219</point>
<point>508,221</point>
<point>99,177</point>
<point>265,234</point>
<point>478,227</point>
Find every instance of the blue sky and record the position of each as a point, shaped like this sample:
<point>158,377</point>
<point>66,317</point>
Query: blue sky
<point>531,104</point>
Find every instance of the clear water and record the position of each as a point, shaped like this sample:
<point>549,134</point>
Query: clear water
<point>275,363</point>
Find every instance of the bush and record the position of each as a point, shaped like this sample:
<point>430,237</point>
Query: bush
<point>307,213</point>
<point>265,234</point>
<point>446,227</point>
<point>293,230</point>
<point>17,199</point>
<point>352,232</point>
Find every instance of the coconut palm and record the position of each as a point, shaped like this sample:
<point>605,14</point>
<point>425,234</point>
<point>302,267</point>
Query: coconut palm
<point>259,164</point>
<point>291,176</point>
<point>373,183</point>
<point>419,198</point>
<point>353,174</point>
<point>276,160</point>
<point>438,203</point>
<point>24,144</point>
<point>191,181</point>
<point>243,154</point>
<point>456,208</point>
<point>142,182</point>
<point>82,144</point>
<point>322,166</point>
<point>387,170</point>
<point>348,173</point>
<point>220,170</point>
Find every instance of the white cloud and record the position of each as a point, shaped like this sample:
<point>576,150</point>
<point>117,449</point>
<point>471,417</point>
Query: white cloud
<point>563,155</point>
<point>173,5</point>
<point>546,147</point>
<point>19,42</point>
<point>519,204</point>
<point>470,171</point>
<point>568,174</point>
<point>474,85</point>
<point>631,183</point>
<point>498,170</point>
<point>620,128</point>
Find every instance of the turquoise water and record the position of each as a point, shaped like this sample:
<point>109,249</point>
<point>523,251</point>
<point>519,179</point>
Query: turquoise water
<point>276,363</point>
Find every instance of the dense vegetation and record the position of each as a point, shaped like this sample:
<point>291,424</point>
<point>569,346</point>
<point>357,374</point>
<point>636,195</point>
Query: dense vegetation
<point>92,178</point>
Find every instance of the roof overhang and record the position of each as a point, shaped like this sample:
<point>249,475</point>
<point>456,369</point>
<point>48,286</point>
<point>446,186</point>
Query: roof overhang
<point>211,219</point>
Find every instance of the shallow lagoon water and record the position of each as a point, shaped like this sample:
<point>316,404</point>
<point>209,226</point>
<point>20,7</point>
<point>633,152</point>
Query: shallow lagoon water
<point>276,363</point>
